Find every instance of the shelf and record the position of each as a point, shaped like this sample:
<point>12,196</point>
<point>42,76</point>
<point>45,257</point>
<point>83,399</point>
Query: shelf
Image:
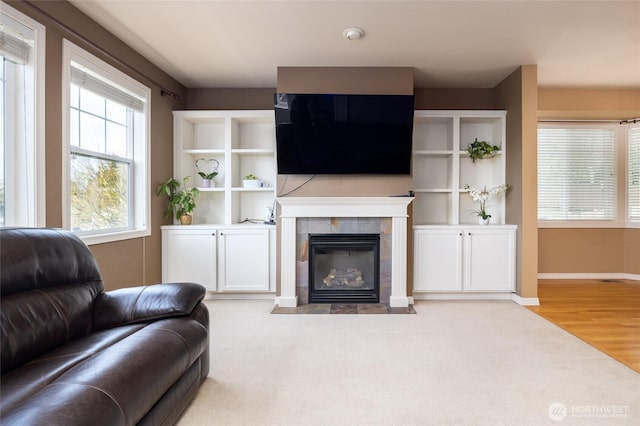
<point>433,153</point>
<point>261,189</point>
<point>252,151</point>
<point>433,190</point>
<point>465,153</point>
<point>243,142</point>
<point>203,151</point>
<point>216,189</point>
<point>441,166</point>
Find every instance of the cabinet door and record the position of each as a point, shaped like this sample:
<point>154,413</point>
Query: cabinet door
<point>244,259</point>
<point>437,260</point>
<point>189,255</point>
<point>489,260</point>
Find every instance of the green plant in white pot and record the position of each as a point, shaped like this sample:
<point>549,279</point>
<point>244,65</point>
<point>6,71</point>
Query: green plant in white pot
<point>251,181</point>
<point>182,199</point>
<point>207,170</point>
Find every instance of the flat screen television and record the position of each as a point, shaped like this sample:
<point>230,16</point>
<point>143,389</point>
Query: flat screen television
<point>343,134</point>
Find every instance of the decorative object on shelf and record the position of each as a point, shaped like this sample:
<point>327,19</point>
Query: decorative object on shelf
<point>482,197</point>
<point>182,199</point>
<point>207,170</point>
<point>481,149</point>
<point>251,181</point>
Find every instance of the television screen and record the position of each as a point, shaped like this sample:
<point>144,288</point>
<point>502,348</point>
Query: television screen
<point>343,134</point>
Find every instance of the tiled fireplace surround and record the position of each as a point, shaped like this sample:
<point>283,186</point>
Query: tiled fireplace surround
<point>300,216</point>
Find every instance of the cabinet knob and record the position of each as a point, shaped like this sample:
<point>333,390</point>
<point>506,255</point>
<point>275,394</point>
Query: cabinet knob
<point>460,234</point>
<point>469,234</point>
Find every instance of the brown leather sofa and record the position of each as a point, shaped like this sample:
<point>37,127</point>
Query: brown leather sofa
<point>73,354</point>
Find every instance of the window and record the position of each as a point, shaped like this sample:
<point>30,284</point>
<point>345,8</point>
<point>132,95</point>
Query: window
<point>21,120</point>
<point>107,136</point>
<point>633,183</point>
<point>577,173</point>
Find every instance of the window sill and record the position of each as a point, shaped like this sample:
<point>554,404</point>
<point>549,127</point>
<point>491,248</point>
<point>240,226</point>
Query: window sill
<point>114,236</point>
<point>581,224</point>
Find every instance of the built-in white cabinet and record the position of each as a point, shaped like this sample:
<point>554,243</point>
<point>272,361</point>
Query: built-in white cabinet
<point>441,165</point>
<point>188,255</point>
<point>243,261</point>
<point>242,143</point>
<point>452,253</point>
<point>450,259</point>
<point>237,258</point>
<point>229,248</point>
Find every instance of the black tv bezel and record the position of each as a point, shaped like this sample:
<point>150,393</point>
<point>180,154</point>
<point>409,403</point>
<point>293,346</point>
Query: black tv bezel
<point>406,153</point>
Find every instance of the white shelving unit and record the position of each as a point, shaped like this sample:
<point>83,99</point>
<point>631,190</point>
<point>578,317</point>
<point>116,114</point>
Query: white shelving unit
<point>228,231</point>
<point>243,142</point>
<point>452,253</point>
<point>441,165</point>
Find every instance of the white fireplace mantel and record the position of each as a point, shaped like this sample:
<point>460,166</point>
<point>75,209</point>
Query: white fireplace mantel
<point>292,208</point>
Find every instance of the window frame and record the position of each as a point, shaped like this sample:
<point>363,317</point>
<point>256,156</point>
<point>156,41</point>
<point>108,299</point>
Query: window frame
<point>36,214</point>
<point>140,208</point>
<point>629,222</point>
<point>620,181</point>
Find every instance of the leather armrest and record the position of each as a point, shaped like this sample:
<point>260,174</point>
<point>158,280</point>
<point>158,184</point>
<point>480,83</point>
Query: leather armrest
<point>145,303</point>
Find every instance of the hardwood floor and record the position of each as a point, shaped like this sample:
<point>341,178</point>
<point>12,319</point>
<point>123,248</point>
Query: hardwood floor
<point>606,315</point>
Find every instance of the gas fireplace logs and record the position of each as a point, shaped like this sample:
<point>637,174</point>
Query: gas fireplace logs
<point>352,277</point>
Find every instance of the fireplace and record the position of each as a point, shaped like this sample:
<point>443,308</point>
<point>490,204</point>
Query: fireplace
<point>391,209</point>
<point>344,268</point>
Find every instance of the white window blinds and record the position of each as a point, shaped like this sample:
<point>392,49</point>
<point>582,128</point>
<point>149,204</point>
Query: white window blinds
<point>633,184</point>
<point>576,173</point>
<point>14,48</point>
<point>106,89</point>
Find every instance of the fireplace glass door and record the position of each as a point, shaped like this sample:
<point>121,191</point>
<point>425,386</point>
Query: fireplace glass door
<point>344,268</point>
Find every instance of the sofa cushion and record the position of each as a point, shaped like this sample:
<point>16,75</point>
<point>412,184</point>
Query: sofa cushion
<point>32,377</point>
<point>48,282</point>
<point>123,381</point>
<point>35,258</point>
<point>34,322</point>
<point>146,303</point>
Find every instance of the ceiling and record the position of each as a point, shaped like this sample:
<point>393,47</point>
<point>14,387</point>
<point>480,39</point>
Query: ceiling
<point>450,44</point>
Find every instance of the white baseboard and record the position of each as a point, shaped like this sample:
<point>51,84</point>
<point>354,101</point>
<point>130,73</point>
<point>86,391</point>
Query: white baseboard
<point>525,301</point>
<point>522,301</point>
<point>589,276</point>
<point>461,296</point>
<point>239,296</point>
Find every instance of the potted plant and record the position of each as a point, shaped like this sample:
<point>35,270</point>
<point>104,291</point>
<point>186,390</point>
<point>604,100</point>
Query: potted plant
<point>481,149</point>
<point>207,170</point>
<point>251,181</point>
<point>482,197</point>
<point>182,199</point>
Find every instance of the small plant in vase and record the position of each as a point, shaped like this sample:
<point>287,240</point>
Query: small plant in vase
<point>481,149</point>
<point>182,199</point>
<point>207,170</point>
<point>251,181</point>
<point>483,196</point>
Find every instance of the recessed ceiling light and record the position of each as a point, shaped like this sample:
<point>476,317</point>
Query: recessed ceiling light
<point>354,33</point>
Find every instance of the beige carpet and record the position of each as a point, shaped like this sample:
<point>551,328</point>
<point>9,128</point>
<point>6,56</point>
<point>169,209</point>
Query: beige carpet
<point>453,363</point>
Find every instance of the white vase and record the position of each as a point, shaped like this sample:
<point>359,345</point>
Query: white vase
<point>208,183</point>
<point>483,221</point>
<point>251,183</point>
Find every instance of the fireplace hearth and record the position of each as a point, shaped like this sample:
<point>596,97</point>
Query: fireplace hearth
<point>344,268</point>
